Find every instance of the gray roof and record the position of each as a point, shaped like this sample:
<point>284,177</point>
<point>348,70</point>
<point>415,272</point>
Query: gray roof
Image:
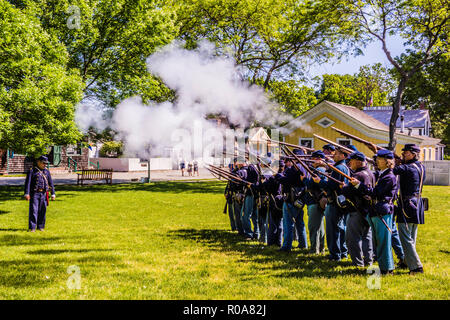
<point>412,118</point>
<point>360,116</point>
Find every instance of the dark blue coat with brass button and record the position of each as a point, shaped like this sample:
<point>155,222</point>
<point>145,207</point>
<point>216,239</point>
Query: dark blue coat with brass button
<point>36,182</point>
<point>410,208</point>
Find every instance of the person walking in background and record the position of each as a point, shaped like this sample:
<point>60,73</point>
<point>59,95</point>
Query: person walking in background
<point>196,168</point>
<point>189,169</point>
<point>182,166</point>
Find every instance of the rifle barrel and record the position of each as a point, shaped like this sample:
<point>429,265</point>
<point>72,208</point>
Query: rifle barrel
<point>300,161</point>
<point>291,145</point>
<point>338,171</point>
<point>333,143</point>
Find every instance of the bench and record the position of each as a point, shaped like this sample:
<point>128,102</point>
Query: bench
<point>94,174</point>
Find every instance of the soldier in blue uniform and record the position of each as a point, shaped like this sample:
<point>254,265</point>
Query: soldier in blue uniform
<point>382,209</point>
<point>358,234</point>
<point>37,184</point>
<point>329,150</point>
<point>229,198</point>
<point>249,209</point>
<point>335,215</point>
<point>410,211</point>
<point>238,191</point>
<point>315,200</point>
<point>274,189</point>
<point>293,188</point>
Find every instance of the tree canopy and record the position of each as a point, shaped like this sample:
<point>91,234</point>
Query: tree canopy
<point>424,24</point>
<point>38,91</point>
<point>268,38</point>
<point>372,85</point>
<point>108,42</point>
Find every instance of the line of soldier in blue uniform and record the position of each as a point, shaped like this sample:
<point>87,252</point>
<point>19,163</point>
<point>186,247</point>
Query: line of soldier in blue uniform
<point>356,216</point>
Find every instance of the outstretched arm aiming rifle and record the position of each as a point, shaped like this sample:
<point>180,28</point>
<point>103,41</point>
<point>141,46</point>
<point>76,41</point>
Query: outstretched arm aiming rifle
<point>310,169</point>
<point>340,146</point>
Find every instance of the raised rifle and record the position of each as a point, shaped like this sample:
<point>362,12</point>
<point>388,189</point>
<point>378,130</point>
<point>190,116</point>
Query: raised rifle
<point>258,158</point>
<point>369,144</point>
<point>337,170</point>
<point>340,146</point>
<point>292,154</point>
<point>291,145</point>
<point>313,169</point>
<point>229,176</point>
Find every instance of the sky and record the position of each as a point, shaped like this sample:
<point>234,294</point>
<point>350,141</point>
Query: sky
<point>372,54</point>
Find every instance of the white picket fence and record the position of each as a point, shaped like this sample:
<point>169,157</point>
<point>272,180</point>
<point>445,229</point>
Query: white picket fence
<point>437,173</point>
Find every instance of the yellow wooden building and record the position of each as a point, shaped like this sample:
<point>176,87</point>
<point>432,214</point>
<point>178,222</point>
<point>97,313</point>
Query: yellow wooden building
<point>321,118</point>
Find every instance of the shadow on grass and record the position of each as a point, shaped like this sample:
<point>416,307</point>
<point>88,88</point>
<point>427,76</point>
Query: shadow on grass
<point>59,251</point>
<point>293,264</point>
<point>28,238</point>
<point>16,192</point>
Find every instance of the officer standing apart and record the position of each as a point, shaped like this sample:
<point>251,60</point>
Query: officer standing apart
<point>37,184</point>
<point>410,211</point>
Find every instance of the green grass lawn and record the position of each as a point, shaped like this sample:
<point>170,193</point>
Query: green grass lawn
<point>172,241</point>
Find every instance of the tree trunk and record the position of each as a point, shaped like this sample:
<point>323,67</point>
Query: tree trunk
<point>395,113</point>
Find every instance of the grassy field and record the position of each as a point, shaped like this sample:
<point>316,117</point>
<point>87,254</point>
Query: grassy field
<point>171,241</point>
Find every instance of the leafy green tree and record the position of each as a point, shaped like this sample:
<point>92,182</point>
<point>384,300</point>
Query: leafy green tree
<point>430,88</point>
<point>424,24</point>
<point>37,90</point>
<point>270,39</point>
<point>293,97</point>
<point>108,42</point>
<point>372,85</point>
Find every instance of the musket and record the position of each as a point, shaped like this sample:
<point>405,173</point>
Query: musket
<point>258,158</point>
<point>327,175</point>
<point>340,146</point>
<point>228,178</point>
<point>337,170</point>
<point>228,174</point>
<point>314,169</point>
<point>367,143</point>
<point>299,161</point>
<point>350,151</point>
<point>348,135</point>
<point>291,145</point>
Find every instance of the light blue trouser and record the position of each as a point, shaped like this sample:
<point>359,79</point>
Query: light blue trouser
<point>293,216</point>
<point>335,231</point>
<point>250,213</point>
<point>237,210</point>
<point>316,228</point>
<point>396,243</point>
<point>358,237</point>
<point>383,242</point>
<point>408,236</point>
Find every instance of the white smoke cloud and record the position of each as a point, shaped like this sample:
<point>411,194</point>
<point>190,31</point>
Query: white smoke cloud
<point>91,115</point>
<point>204,84</point>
